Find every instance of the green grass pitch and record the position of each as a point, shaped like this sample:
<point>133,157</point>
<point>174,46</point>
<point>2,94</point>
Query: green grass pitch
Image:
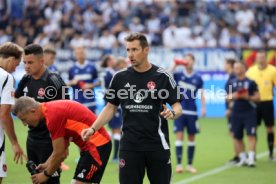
<point>213,150</point>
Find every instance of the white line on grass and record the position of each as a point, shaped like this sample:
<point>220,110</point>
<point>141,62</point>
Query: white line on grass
<point>214,171</point>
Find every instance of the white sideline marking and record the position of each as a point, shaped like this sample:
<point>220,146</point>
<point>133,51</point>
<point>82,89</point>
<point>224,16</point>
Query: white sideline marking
<point>214,171</point>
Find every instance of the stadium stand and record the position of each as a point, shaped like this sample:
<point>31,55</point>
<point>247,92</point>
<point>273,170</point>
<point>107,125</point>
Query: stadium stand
<point>174,23</point>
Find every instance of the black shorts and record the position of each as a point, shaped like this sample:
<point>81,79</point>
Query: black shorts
<point>241,122</point>
<point>265,111</point>
<point>88,170</point>
<point>133,165</point>
<point>39,153</point>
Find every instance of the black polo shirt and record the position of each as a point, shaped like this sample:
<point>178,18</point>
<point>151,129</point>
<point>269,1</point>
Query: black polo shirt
<point>45,89</point>
<point>141,96</point>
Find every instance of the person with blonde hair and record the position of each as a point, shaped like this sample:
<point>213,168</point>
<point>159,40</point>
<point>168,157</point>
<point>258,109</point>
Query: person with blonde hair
<point>10,57</point>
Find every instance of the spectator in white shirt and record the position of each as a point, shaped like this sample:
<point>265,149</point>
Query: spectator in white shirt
<point>107,40</point>
<point>169,36</point>
<point>136,26</point>
<point>272,40</point>
<point>255,41</point>
<point>245,19</point>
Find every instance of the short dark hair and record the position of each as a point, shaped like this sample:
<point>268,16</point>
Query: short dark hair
<point>190,55</point>
<point>242,63</point>
<point>230,61</point>
<point>9,49</point>
<point>105,60</point>
<point>49,50</point>
<point>138,36</point>
<point>34,49</point>
<point>262,51</point>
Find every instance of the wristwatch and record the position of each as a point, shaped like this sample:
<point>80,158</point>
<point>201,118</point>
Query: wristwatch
<point>46,173</point>
<point>94,131</point>
<point>173,113</point>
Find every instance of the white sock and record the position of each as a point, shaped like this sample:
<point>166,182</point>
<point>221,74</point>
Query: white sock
<point>242,156</point>
<point>117,136</point>
<point>251,155</point>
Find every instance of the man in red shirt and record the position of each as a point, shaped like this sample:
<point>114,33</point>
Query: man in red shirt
<point>73,118</point>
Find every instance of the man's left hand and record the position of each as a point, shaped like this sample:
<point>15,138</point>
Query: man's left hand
<point>166,113</point>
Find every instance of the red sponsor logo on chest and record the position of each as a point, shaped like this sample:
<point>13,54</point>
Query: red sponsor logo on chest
<point>41,92</point>
<point>151,85</point>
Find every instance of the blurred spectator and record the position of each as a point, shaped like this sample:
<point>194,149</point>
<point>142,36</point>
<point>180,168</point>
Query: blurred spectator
<point>236,39</point>
<point>183,36</point>
<point>42,39</point>
<point>169,36</point>
<point>49,56</point>
<point>211,41</point>
<point>184,8</point>
<point>89,15</point>
<point>79,41</point>
<point>224,39</point>
<point>5,9</point>
<point>197,41</point>
<point>245,19</point>
<point>267,28</point>
<point>3,37</point>
<point>70,23</point>
<point>122,35</point>
<point>107,40</point>
<point>66,25</point>
<point>229,11</point>
<point>154,29</point>
<point>83,77</point>
<point>255,41</point>
<point>272,40</point>
<point>136,26</point>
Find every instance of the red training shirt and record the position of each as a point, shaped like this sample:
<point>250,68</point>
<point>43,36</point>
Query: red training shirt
<point>66,118</point>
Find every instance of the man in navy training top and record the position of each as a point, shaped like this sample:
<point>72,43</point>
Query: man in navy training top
<point>190,83</point>
<point>83,77</point>
<point>229,69</point>
<point>244,96</point>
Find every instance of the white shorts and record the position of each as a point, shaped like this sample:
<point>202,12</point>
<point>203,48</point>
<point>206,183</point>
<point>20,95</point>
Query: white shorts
<point>3,166</point>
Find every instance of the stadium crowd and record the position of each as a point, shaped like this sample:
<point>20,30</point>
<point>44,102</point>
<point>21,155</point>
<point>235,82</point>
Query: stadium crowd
<point>79,24</point>
<point>104,24</point>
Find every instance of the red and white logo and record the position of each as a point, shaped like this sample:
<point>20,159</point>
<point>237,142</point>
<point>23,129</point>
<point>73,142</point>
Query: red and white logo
<point>122,163</point>
<point>5,168</point>
<point>151,85</point>
<point>41,92</point>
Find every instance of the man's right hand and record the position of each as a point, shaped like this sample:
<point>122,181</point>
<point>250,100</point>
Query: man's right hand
<point>18,153</point>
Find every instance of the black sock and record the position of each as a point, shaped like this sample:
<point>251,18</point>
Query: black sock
<point>178,151</point>
<point>270,141</point>
<point>191,151</point>
<point>116,148</point>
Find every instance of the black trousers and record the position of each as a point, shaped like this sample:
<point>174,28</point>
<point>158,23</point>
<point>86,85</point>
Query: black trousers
<point>133,165</point>
<point>39,153</point>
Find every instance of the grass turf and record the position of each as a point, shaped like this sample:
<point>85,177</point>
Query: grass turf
<point>213,150</point>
